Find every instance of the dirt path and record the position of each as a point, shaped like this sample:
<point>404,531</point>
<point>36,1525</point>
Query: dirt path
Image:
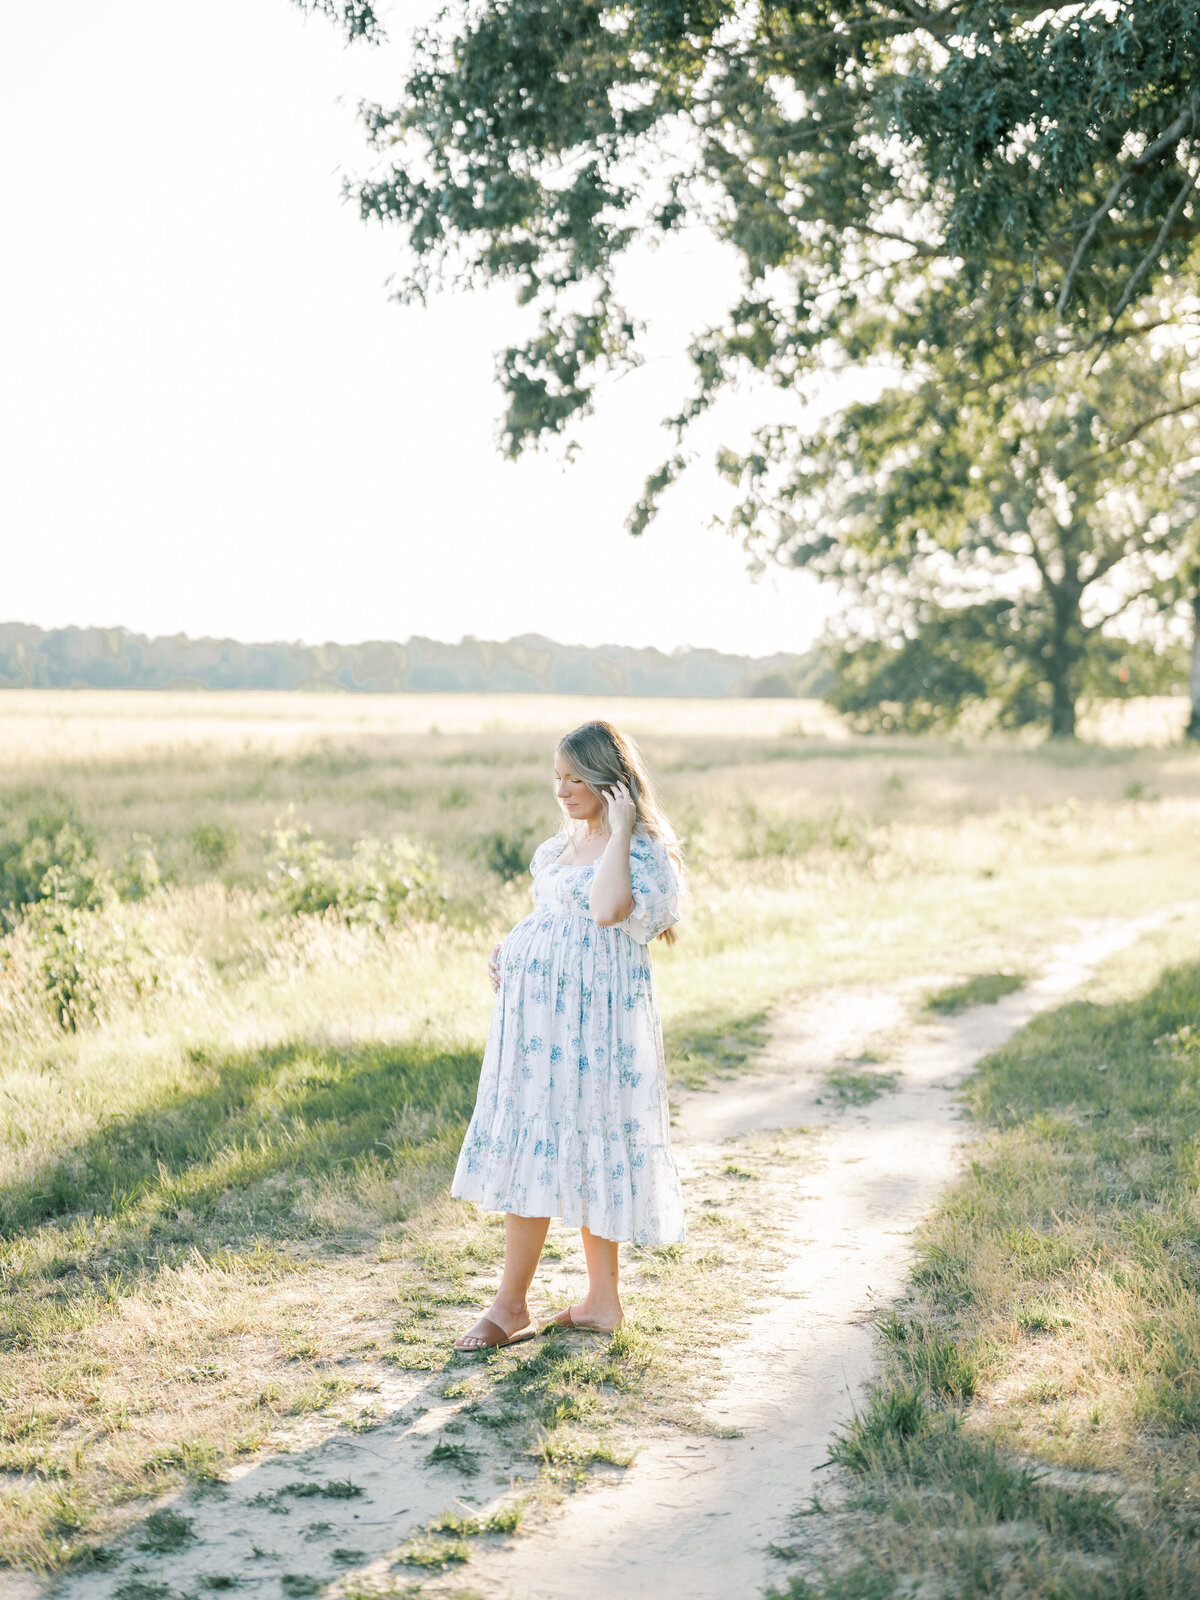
<point>694,1515</point>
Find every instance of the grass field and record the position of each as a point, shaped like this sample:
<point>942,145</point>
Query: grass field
<point>227,1117</point>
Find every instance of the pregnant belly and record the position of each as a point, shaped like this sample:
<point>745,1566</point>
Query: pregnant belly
<point>547,956</point>
<point>546,931</point>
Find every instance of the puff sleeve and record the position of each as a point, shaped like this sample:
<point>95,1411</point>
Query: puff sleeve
<point>655,889</point>
<point>549,850</point>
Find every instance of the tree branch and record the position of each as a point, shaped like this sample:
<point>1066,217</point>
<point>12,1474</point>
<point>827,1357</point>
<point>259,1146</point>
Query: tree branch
<point>1160,239</point>
<point>1136,428</point>
<point>1164,142</point>
<point>1088,629</point>
<point>917,246</point>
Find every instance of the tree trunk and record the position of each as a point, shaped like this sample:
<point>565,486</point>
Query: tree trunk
<point>1062,709</point>
<point>1192,731</point>
<point>1066,645</point>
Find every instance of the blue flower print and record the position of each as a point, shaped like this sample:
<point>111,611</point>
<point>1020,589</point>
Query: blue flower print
<point>571,1117</point>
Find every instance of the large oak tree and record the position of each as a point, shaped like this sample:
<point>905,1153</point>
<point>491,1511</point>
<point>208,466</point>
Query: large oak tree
<point>979,200</point>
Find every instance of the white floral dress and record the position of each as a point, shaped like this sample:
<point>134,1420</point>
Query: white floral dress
<point>571,1118</point>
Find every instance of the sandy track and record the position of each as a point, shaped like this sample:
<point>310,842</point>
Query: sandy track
<point>694,1514</point>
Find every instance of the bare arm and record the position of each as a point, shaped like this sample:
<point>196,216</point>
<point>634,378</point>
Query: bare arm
<point>612,893</point>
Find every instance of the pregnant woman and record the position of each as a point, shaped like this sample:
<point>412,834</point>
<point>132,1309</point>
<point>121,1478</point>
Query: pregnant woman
<point>571,1117</point>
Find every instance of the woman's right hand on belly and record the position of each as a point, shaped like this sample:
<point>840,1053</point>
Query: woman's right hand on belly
<point>494,968</point>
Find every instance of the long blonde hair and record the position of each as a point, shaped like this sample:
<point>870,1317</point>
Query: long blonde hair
<point>603,756</point>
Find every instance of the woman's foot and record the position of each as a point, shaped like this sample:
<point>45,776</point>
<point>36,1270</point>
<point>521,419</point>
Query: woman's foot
<point>511,1319</point>
<point>591,1316</point>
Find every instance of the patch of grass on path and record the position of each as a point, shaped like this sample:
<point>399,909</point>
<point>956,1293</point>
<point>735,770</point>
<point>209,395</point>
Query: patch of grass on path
<point>718,1046</point>
<point>983,989</point>
<point>850,1088</point>
<point>1036,1428</point>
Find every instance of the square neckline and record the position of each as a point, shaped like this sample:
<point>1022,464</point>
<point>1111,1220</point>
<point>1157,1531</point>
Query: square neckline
<point>578,866</point>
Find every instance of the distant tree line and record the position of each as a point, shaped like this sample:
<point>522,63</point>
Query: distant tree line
<point>115,658</point>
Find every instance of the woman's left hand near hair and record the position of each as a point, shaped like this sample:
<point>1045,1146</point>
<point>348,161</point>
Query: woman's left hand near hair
<point>622,813</point>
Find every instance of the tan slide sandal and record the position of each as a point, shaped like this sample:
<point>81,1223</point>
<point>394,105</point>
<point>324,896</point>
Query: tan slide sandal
<point>491,1336</point>
<point>564,1319</point>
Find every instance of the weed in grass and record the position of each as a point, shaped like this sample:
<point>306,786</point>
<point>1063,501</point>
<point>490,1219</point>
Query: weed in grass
<point>732,1170</point>
<point>860,1582</point>
<point>943,1269</point>
<point>420,1358</point>
<point>65,1513</point>
<point>504,1519</point>
<point>567,1454</point>
<point>500,1420</point>
<point>1040,1316</point>
<point>345,1557</point>
<point>273,1503</point>
<point>141,1589</point>
<point>200,1463</point>
<point>94,1557</point>
<point>297,1585</point>
<point>433,1554</point>
<point>783,1552</point>
<point>930,1360</point>
<point>164,1532</point>
<point>459,1456</point>
<point>299,1346</point>
<point>893,1415</point>
<point>220,1581</point>
<point>859,1088</point>
<point>317,1396</point>
<point>983,989</point>
<point>331,1489</point>
<point>276,1500</point>
<point>366,1421</point>
<point>204,1372</point>
<point>377,1589</point>
<point>466,1526</point>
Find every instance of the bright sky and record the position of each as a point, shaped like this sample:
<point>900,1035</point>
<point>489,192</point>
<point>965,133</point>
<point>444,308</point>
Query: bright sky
<point>212,418</point>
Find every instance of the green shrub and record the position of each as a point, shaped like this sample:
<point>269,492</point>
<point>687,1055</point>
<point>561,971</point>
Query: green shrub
<point>87,961</point>
<point>382,882</point>
<point>212,845</point>
<point>506,854</point>
<point>48,855</point>
<point>139,874</point>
